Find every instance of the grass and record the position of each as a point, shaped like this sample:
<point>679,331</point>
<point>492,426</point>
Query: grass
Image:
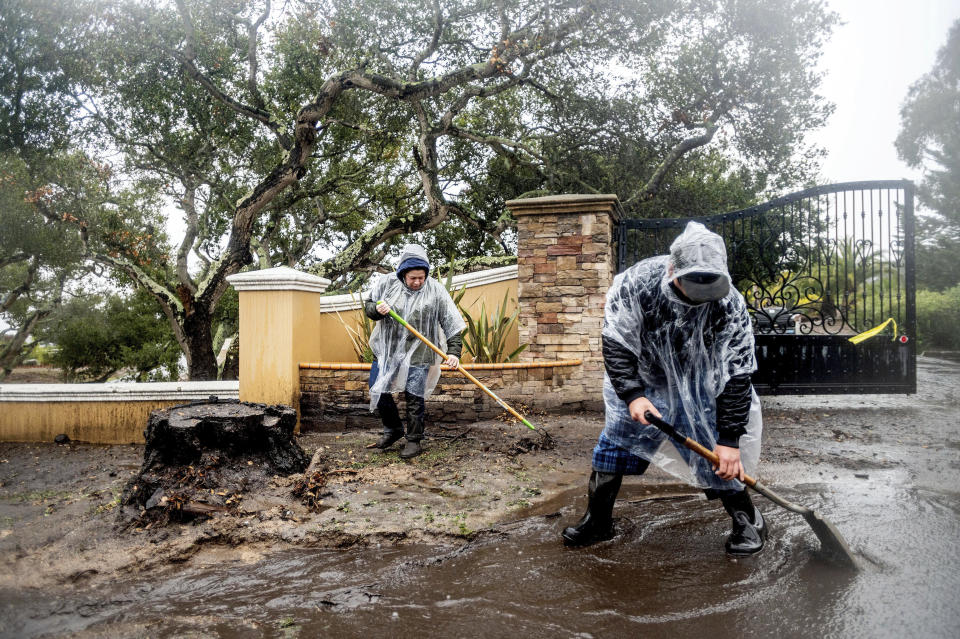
<point>39,496</point>
<point>435,452</point>
<point>107,507</point>
<point>461,522</point>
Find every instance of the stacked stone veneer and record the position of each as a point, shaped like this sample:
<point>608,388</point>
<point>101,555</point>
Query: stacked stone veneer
<point>565,258</point>
<point>340,398</point>
<point>565,264</point>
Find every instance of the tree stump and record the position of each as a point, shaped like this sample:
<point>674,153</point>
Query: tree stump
<point>200,458</point>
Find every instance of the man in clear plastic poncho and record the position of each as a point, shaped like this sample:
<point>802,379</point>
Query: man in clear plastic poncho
<point>403,362</point>
<point>677,341</point>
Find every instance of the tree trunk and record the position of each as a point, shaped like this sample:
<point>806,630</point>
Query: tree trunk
<point>201,360</point>
<point>202,458</point>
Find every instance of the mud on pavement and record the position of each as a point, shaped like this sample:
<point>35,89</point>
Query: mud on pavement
<point>58,502</point>
<point>468,534</point>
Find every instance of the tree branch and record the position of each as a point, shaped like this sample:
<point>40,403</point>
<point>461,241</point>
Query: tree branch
<point>678,151</point>
<point>430,48</point>
<point>23,288</point>
<point>252,58</point>
<point>188,204</point>
<point>187,60</point>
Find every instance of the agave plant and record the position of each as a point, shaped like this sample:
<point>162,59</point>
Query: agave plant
<point>486,336</point>
<point>360,334</point>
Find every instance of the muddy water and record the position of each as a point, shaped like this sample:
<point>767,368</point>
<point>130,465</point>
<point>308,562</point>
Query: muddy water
<point>664,575</point>
<point>884,470</point>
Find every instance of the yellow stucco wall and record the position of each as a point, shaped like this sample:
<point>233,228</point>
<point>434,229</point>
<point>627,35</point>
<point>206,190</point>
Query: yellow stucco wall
<point>335,341</point>
<point>102,422</point>
<point>335,344</point>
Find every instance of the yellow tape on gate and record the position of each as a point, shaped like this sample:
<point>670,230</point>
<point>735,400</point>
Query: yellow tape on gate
<point>856,339</point>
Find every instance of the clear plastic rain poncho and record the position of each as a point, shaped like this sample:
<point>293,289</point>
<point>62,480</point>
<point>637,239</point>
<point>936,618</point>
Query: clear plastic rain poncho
<point>406,363</point>
<point>686,354</point>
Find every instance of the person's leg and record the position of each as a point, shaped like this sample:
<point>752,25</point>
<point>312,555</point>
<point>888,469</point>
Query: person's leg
<point>415,408</point>
<point>749,530</point>
<point>389,414</point>
<point>392,426</point>
<point>610,464</point>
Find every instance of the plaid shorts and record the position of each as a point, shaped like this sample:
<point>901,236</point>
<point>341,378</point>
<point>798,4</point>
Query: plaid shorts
<point>610,458</point>
<point>626,446</point>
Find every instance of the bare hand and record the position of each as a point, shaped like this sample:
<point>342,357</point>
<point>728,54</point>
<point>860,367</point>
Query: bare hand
<point>452,361</point>
<point>639,406</point>
<point>383,308</point>
<point>730,466</point>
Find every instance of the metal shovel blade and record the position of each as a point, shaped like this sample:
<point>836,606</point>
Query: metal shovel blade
<point>830,538</point>
<point>831,541</point>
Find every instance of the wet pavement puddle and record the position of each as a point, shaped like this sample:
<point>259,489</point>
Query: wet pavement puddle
<point>663,575</point>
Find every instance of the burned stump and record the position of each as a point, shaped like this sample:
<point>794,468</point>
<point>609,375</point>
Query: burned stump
<point>200,458</point>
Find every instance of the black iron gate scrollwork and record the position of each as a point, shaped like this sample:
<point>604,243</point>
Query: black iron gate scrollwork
<point>816,267</point>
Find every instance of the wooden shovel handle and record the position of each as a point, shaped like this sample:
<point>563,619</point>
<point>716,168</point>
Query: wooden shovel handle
<point>696,447</point>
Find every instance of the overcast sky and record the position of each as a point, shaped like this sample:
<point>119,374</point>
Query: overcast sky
<point>871,61</point>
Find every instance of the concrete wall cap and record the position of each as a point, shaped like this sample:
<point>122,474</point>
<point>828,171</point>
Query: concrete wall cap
<point>119,391</point>
<point>568,203</point>
<point>348,302</point>
<point>280,278</point>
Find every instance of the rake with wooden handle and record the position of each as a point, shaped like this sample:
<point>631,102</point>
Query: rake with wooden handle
<point>460,369</point>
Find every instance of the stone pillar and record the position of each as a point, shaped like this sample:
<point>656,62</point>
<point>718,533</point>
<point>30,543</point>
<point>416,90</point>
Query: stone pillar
<point>566,262</point>
<point>278,330</point>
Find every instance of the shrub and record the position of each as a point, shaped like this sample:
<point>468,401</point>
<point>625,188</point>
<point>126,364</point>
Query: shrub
<point>486,336</point>
<point>938,316</point>
<point>360,333</point>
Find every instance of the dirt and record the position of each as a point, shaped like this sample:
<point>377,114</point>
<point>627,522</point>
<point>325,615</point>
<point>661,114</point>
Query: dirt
<point>58,503</point>
<point>495,482</point>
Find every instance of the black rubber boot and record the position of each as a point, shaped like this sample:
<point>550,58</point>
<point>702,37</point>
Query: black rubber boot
<point>749,529</point>
<point>411,449</point>
<point>414,411</point>
<point>392,426</point>
<point>597,523</point>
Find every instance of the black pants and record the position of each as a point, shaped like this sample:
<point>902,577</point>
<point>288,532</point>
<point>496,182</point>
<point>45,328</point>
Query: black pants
<point>390,414</point>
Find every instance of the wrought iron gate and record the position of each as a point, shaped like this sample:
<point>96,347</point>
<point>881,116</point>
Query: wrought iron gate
<point>816,268</point>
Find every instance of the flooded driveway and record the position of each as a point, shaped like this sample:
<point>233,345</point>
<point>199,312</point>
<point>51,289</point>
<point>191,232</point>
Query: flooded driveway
<point>884,470</point>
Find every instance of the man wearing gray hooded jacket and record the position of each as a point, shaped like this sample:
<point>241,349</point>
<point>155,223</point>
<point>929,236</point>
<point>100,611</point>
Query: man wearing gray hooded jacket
<point>402,362</point>
<point>678,342</point>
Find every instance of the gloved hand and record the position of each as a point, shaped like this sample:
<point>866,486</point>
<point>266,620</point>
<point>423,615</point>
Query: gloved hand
<point>452,361</point>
